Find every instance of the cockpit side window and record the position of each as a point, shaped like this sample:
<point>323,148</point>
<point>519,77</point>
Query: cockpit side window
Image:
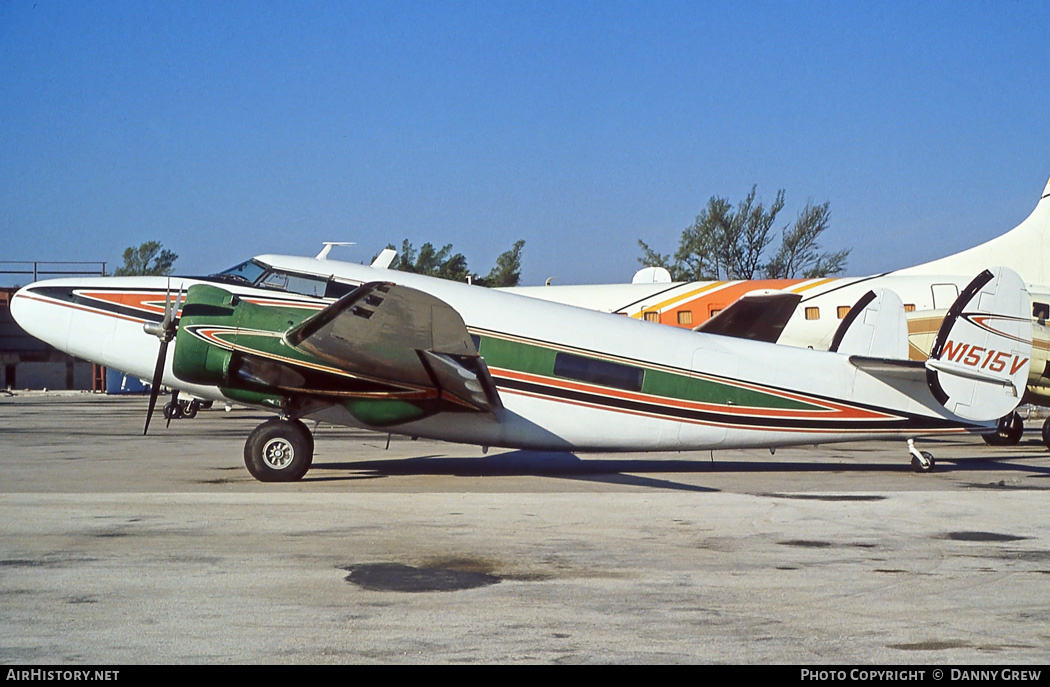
<point>295,283</point>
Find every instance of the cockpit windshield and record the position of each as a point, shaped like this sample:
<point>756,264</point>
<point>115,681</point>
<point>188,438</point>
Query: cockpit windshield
<point>248,272</point>
<point>263,276</point>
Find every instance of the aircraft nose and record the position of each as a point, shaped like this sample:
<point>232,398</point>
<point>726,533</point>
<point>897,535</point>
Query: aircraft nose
<point>20,304</point>
<point>37,315</point>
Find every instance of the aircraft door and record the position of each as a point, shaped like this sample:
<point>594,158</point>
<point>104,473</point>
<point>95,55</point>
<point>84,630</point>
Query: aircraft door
<point>944,295</point>
<point>706,388</point>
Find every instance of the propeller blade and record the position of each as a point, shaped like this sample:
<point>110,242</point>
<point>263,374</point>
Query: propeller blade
<point>174,407</point>
<point>165,331</point>
<point>158,378</point>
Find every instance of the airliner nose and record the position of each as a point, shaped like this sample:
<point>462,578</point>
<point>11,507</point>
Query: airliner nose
<point>19,305</point>
<point>38,315</point>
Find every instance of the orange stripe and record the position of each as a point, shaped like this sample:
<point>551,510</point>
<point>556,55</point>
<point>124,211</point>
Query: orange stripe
<point>704,301</point>
<point>840,411</point>
<point>709,423</point>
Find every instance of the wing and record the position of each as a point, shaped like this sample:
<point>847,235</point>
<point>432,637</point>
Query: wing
<point>400,335</point>
<point>758,315</point>
<point>387,353</point>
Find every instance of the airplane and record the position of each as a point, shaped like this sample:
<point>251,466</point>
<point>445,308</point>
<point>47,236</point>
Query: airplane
<point>810,310</point>
<point>369,347</point>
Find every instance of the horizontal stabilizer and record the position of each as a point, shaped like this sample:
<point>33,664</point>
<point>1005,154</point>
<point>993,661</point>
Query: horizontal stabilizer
<point>978,367</point>
<point>886,368</point>
<point>757,315</point>
<point>875,327</point>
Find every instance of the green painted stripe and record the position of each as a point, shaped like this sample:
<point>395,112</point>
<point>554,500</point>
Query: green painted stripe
<point>539,360</point>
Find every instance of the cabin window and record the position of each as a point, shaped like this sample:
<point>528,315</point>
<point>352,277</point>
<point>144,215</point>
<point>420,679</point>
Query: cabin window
<point>909,307</point>
<point>1040,311</point>
<point>843,311</point>
<point>714,311</point>
<point>601,372</point>
<point>685,317</point>
<point>338,289</point>
<point>295,283</point>
<point>812,313</point>
<point>651,316</point>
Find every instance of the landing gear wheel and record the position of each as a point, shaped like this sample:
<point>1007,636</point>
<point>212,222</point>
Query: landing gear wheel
<point>993,439</point>
<point>189,409</point>
<point>279,450</point>
<point>921,461</point>
<point>925,465</point>
<point>173,411</point>
<point>1046,432</point>
<point>1011,428</point>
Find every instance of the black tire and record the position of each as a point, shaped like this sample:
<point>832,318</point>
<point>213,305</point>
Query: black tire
<point>918,466</point>
<point>1046,432</point>
<point>279,451</point>
<point>1011,429</point>
<point>993,439</point>
<point>189,409</point>
<point>172,411</point>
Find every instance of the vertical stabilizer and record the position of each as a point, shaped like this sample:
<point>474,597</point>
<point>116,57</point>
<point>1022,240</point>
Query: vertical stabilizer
<point>1025,249</point>
<point>978,367</point>
<point>875,327</point>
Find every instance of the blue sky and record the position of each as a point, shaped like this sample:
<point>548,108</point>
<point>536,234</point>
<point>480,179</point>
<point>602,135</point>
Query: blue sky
<point>228,129</point>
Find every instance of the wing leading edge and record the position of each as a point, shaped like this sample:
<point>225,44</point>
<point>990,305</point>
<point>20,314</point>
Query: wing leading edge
<point>402,335</point>
<point>389,354</point>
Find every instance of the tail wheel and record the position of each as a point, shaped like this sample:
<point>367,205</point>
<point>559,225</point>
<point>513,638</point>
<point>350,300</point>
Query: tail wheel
<point>926,464</point>
<point>279,450</point>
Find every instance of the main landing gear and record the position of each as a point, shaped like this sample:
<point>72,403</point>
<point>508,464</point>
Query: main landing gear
<point>178,410</point>
<point>1009,431</point>
<point>279,450</point>
<point>921,461</point>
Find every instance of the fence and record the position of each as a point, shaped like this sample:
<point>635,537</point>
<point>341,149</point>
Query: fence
<point>40,269</point>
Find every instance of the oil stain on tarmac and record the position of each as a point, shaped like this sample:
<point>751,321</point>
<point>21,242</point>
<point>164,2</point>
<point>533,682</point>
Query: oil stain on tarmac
<point>396,577</point>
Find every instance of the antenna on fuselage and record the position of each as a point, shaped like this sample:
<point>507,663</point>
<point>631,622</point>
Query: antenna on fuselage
<point>323,255</point>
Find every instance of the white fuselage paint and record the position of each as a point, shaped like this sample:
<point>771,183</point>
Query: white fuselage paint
<point>526,420</point>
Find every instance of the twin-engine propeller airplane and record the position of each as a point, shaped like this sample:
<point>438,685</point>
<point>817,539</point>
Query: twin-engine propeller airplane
<point>403,353</point>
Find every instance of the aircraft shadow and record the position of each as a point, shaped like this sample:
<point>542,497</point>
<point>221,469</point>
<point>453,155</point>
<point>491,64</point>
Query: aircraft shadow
<point>520,464</point>
<point>641,471</point>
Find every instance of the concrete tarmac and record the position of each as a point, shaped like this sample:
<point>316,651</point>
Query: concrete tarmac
<point>122,549</point>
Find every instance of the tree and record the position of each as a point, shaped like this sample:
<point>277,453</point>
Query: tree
<point>728,243</point>
<point>445,264</point>
<point>507,271</point>
<point>431,262</point>
<point>799,251</point>
<point>149,259</point>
